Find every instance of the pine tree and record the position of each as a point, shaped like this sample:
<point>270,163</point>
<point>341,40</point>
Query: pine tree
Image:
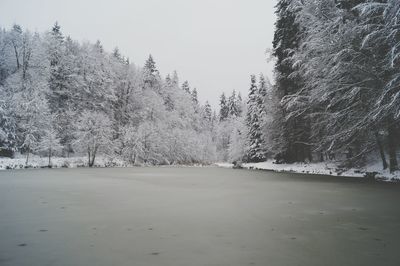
<point>150,65</point>
<point>232,105</point>
<point>151,75</point>
<point>115,53</point>
<point>194,97</point>
<point>169,86</point>
<point>58,96</point>
<point>239,104</point>
<point>296,129</point>
<point>186,87</point>
<point>207,112</point>
<point>8,123</point>
<point>224,109</point>
<point>255,138</point>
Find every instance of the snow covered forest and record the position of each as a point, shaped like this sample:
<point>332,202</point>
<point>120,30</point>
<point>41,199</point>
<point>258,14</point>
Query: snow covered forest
<point>337,92</point>
<point>336,96</point>
<point>337,82</point>
<point>64,98</point>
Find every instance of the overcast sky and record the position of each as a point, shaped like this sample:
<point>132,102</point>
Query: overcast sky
<point>214,44</point>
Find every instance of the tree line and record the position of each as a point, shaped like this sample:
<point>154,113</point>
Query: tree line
<point>65,98</point>
<point>336,96</point>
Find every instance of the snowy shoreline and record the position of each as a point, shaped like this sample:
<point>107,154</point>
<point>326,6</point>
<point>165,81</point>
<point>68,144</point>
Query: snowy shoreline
<point>371,171</point>
<point>330,169</point>
<point>37,162</point>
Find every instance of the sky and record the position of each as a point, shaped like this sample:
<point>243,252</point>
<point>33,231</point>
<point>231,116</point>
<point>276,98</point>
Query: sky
<point>214,44</point>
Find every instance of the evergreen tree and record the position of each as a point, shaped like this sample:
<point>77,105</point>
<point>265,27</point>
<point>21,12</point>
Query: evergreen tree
<point>175,79</point>
<point>207,112</point>
<point>232,105</point>
<point>239,104</point>
<point>169,103</point>
<point>194,97</point>
<point>58,97</point>
<point>224,109</point>
<point>256,146</point>
<point>186,87</point>
<point>116,54</point>
<point>150,65</point>
<point>151,74</point>
<point>295,129</point>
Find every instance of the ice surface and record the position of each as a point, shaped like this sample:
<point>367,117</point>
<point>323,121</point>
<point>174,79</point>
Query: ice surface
<point>195,216</point>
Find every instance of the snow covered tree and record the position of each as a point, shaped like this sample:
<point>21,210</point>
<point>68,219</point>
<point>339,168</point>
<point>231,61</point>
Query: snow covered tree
<point>296,131</point>
<point>8,123</point>
<point>239,104</point>
<point>93,134</point>
<point>337,80</point>
<point>33,113</point>
<point>381,38</point>
<point>238,140</point>
<point>186,87</point>
<point>207,112</point>
<point>223,108</point>
<point>15,40</point>
<point>54,89</point>
<point>194,97</point>
<point>255,139</point>
<point>150,65</point>
<point>49,143</point>
<point>150,74</point>
<point>131,147</point>
<point>232,105</point>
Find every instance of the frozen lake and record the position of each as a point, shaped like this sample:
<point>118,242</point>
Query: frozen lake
<point>195,216</point>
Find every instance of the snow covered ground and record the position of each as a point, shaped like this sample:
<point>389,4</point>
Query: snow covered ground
<point>57,162</point>
<point>73,162</point>
<point>321,169</point>
<point>103,161</point>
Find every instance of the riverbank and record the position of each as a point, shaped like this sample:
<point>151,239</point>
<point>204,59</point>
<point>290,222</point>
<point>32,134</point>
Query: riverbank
<point>373,170</point>
<point>35,162</point>
<point>56,162</point>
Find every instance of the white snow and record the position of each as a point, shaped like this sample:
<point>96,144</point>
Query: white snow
<point>320,169</point>
<point>57,162</point>
<point>36,161</point>
<point>224,165</point>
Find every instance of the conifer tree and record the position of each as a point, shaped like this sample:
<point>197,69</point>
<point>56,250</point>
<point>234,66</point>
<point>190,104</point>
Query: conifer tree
<point>186,87</point>
<point>256,146</point>
<point>207,112</point>
<point>150,73</point>
<point>239,104</point>
<point>224,109</point>
<point>194,97</point>
<point>295,129</point>
<point>232,105</point>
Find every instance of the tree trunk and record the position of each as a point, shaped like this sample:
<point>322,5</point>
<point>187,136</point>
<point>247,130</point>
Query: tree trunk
<point>49,158</point>
<point>393,165</point>
<point>91,161</point>
<point>27,156</point>
<point>16,55</point>
<point>93,157</point>
<point>381,150</point>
